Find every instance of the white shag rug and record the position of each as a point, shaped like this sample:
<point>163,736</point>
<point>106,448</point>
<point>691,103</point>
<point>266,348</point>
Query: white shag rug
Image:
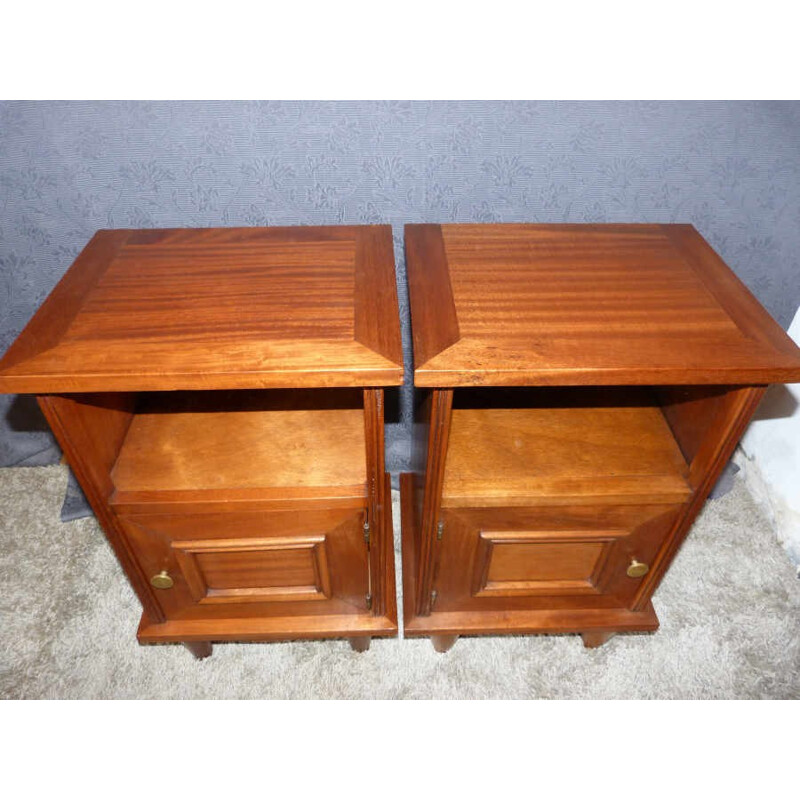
<point>729,610</point>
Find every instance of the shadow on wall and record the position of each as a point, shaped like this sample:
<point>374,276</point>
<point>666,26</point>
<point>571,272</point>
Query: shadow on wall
<point>779,403</point>
<point>25,416</point>
<point>28,442</point>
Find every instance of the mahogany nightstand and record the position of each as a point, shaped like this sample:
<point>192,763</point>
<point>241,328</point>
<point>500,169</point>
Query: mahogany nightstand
<point>218,395</point>
<point>579,388</point>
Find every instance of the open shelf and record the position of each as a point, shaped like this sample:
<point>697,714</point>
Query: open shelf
<point>243,445</point>
<point>527,447</point>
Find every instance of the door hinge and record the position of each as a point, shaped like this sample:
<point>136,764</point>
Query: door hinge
<point>368,598</point>
<point>439,531</point>
<point>367,530</point>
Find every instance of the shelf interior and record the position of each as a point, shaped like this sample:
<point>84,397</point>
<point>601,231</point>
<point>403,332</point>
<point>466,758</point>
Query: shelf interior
<point>509,447</point>
<point>226,445</point>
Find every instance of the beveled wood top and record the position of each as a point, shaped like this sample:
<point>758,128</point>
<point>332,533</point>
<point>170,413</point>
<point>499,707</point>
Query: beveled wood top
<point>216,308</point>
<point>533,305</point>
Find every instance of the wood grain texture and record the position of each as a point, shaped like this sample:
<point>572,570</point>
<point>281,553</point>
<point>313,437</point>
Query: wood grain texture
<point>521,456</point>
<point>50,322</point>
<point>271,453</point>
<point>237,513</point>
<point>585,304</point>
<point>545,497</point>
<point>515,558</point>
<point>255,570</point>
<point>569,618</point>
<point>379,547</point>
<point>377,323</point>
<point>714,452</point>
<point>438,430</point>
<point>265,629</point>
<point>434,323</point>
<point>249,623</point>
<point>216,308</point>
<point>254,564</point>
<point>90,430</point>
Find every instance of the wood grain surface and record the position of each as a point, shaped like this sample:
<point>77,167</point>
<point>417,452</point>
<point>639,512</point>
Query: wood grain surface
<point>228,450</point>
<point>521,456</point>
<point>584,304</point>
<point>216,308</point>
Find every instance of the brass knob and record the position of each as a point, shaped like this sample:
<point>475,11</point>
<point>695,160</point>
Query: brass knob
<point>636,569</point>
<point>162,580</point>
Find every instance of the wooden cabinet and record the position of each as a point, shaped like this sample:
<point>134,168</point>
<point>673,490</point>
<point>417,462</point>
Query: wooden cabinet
<point>219,396</point>
<point>579,389</point>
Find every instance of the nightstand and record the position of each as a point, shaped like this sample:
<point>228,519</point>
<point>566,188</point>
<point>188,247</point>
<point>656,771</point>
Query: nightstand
<point>218,394</point>
<point>579,388</point>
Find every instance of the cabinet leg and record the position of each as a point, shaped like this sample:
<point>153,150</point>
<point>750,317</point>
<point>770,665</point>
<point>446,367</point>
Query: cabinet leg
<point>443,642</point>
<point>596,638</point>
<point>360,643</point>
<point>198,649</point>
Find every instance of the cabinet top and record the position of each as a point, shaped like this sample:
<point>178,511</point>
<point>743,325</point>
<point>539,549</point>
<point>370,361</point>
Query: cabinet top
<point>512,305</point>
<point>216,308</point>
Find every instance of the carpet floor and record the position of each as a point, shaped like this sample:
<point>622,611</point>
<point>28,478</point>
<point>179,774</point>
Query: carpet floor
<point>729,610</point>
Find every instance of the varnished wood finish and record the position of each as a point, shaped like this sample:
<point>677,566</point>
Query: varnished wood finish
<point>434,322</point>
<point>237,501</point>
<point>584,304</point>
<point>318,452</point>
<point>717,447</point>
<point>379,546</point>
<point>199,650</point>
<point>599,378</point>
<point>217,308</point>
<point>307,623</point>
<point>494,559</point>
<point>265,629</point>
<point>90,430</point>
<point>244,564</point>
<point>521,620</point>
<point>521,456</point>
<point>438,434</point>
<point>377,323</point>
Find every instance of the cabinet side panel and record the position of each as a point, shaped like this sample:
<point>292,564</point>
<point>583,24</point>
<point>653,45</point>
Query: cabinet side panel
<point>712,444</point>
<point>90,430</point>
<point>380,549</point>
<point>694,414</point>
<point>438,431</point>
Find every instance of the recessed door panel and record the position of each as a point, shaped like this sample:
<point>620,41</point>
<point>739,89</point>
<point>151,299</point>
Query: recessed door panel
<point>529,558</point>
<point>254,563</point>
<point>519,563</point>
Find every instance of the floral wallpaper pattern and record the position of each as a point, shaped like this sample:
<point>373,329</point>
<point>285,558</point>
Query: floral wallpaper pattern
<point>67,169</point>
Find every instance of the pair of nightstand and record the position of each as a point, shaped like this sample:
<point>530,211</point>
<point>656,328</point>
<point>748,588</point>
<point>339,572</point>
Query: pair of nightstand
<point>219,396</point>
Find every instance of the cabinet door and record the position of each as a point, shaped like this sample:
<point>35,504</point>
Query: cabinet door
<point>537,558</point>
<point>247,564</point>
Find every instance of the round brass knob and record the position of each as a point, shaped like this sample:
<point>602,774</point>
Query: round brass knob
<point>162,580</point>
<point>636,569</point>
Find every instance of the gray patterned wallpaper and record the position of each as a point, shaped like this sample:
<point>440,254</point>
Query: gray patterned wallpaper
<point>66,169</point>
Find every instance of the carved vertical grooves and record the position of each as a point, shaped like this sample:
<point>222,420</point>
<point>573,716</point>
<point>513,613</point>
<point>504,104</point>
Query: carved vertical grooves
<point>739,415</point>
<point>438,435</point>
